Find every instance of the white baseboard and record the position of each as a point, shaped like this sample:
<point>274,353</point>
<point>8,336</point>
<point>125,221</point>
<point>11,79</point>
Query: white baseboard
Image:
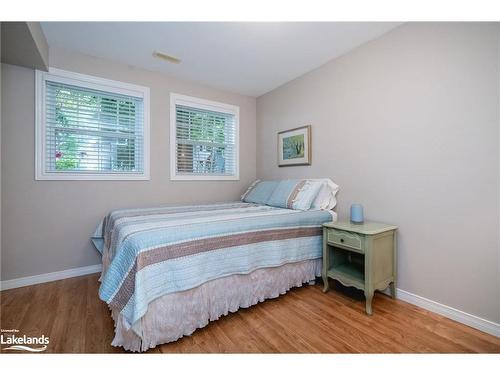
<point>47,277</point>
<point>460,316</point>
<point>450,312</point>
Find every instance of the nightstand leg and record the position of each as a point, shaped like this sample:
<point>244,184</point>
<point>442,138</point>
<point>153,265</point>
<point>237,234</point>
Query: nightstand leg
<point>326,285</point>
<point>393,290</point>
<point>369,298</point>
<point>326,262</point>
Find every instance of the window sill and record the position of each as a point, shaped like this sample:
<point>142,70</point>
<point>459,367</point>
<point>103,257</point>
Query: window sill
<point>91,177</point>
<point>203,178</point>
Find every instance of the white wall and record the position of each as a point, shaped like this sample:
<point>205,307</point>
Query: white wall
<point>408,125</point>
<point>46,224</point>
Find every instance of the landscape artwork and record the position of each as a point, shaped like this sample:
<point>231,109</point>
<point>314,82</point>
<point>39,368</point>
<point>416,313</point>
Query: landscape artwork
<point>294,146</point>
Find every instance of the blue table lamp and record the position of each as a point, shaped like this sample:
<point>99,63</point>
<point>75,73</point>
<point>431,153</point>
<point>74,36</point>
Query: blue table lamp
<point>357,214</point>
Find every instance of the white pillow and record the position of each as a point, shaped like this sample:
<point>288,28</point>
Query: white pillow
<point>325,200</point>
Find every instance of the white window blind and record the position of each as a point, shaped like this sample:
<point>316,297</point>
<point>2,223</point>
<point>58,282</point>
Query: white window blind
<point>91,132</point>
<point>205,141</point>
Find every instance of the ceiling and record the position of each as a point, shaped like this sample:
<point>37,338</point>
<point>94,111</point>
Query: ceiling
<point>249,58</point>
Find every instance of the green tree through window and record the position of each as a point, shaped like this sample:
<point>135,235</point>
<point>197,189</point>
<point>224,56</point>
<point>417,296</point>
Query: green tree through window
<point>93,132</point>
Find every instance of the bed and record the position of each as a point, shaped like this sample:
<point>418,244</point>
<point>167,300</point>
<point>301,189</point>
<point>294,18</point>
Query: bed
<point>170,270</point>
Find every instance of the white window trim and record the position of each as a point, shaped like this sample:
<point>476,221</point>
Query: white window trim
<point>91,82</point>
<point>191,101</point>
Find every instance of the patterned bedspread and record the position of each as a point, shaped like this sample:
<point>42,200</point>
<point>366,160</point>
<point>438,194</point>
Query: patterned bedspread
<point>155,251</point>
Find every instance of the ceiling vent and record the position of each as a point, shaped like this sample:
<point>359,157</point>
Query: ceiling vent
<point>164,56</point>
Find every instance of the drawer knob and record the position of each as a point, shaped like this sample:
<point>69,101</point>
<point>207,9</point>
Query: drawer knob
<point>341,240</point>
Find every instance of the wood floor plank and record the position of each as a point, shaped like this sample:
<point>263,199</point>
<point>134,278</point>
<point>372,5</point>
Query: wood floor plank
<point>305,320</point>
<point>390,340</point>
<point>270,332</point>
<point>14,306</point>
<point>420,325</point>
<point>304,328</point>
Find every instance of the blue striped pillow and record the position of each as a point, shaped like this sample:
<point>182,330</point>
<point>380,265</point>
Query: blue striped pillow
<point>259,192</point>
<point>294,194</point>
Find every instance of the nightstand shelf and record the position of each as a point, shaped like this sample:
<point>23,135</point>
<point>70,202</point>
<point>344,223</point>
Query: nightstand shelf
<point>361,256</point>
<point>350,276</point>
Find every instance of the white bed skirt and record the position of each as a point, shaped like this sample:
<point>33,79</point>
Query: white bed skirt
<point>179,314</point>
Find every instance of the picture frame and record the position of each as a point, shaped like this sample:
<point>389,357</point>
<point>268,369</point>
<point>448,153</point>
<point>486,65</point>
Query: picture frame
<point>294,147</point>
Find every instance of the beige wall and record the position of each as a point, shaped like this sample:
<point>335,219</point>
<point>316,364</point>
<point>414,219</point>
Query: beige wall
<point>498,150</point>
<point>24,44</point>
<point>39,40</point>
<point>408,125</point>
<point>0,152</point>
<point>46,224</point>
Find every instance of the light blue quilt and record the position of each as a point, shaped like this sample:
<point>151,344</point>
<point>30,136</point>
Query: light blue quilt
<point>148,253</point>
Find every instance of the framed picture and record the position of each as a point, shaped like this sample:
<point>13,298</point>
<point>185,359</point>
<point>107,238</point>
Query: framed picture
<point>294,147</point>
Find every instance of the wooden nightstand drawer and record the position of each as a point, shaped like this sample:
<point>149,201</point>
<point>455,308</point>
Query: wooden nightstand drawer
<point>346,239</point>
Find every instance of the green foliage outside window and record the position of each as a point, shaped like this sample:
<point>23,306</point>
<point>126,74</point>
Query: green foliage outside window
<point>76,109</point>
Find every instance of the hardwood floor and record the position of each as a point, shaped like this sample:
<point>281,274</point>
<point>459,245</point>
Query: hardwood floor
<point>303,321</point>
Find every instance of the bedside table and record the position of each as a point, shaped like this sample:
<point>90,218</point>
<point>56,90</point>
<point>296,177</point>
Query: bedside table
<point>360,255</point>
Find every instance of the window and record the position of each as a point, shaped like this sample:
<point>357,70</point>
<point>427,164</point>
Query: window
<point>88,128</point>
<point>203,139</point>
